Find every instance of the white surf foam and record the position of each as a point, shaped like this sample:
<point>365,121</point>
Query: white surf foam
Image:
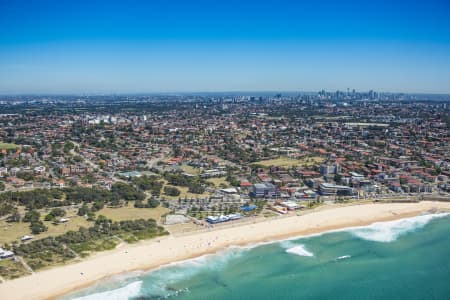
<point>166,275</point>
<point>343,257</point>
<point>131,290</point>
<point>160,281</point>
<point>300,250</point>
<point>389,231</point>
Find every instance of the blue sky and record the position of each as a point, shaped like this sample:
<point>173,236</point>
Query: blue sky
<point>165,46</point>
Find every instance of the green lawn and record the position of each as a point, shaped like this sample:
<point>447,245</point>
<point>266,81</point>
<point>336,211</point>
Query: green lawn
<point>190,170</point>
<point>287,162</point>
<point>8,146</point>
<point>10,232</point>
<point>184,192</point>
<point>74,223</point>
<point>217,181</point>
<point>131,213</point>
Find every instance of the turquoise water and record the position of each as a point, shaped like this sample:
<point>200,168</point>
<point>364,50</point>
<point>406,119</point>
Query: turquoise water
<point>404,259</point>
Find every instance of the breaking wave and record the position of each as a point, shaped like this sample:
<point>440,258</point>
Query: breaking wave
<point>386,232</point>
<point>131,290</point>
<point>343,257</point>
<point>297,249</point>
<point>300,250</point>
<point>163,282</point>
<point>166,282</point>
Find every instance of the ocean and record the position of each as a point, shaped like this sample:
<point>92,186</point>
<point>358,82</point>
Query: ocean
<point>403,259</point>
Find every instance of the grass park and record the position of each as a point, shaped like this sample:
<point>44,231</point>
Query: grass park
<point>184,193</point>
<point>129,212</point>
<point>11,231</point>
<point>8,146</point>
<point>288,162</point>
<point>218,181</point>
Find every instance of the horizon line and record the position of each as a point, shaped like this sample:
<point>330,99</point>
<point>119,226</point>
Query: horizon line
<point>185,92</point>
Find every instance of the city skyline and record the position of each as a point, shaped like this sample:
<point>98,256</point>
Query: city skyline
<point>49,47</point>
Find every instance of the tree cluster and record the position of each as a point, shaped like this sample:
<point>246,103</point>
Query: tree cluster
<point>195,184</point>
<point>171,191</point>
<point>47,251</point>
<point>36,225</point>
<point>148,184</point>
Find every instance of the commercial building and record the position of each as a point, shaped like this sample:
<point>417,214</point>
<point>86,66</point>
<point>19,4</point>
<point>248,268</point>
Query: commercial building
<point>328,189</point>
<point>264,190</point>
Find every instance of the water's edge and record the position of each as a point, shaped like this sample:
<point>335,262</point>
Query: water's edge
<point>382,232</point>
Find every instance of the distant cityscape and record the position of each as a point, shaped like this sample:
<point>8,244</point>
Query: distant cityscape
<point>348,94</point>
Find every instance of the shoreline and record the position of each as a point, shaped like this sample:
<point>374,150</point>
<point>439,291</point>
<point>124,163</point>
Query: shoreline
<point>161,252</point>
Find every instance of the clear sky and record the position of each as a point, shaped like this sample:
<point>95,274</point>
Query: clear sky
<point>79,46</point>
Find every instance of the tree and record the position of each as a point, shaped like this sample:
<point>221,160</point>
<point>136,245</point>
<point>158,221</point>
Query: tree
<point>49,217</point>
<point>171,191</point>
<point>152,203</point>
<point>37,227</point>
<point>436,171</point>
<point>31,216</point>
<point>149,183</point>
<point>115,201</point>
<point>196,189</point>
<point>58,212</point>
<point>91,216</point>
<point>25,176</point>
<point>337,178</point>
<point>14,217</point>
<point>89,178</point>
<point>98,205</point>
<point>127,192</point>
<point>83,210</point>
<point>68,146</point>
<point>138,204</point>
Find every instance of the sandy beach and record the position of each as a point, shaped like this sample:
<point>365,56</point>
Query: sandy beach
<point>147,255</point>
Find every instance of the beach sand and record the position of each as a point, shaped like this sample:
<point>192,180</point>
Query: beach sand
<point>146,255</point>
